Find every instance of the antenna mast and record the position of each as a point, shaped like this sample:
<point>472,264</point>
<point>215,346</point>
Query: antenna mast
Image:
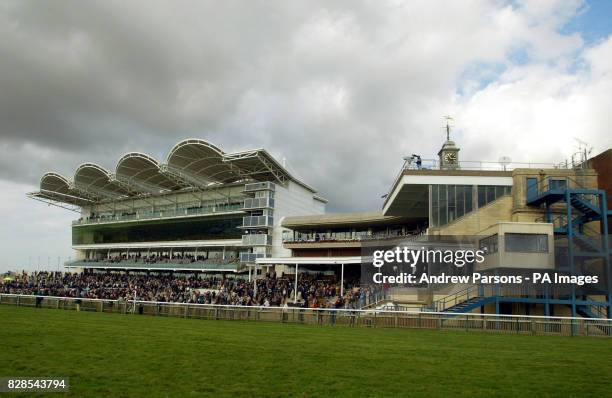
<point>448,126</point>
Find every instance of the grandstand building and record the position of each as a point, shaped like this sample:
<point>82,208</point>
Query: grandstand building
<point>529,217</point>
<point>207,211</point>
<point>203,210</point>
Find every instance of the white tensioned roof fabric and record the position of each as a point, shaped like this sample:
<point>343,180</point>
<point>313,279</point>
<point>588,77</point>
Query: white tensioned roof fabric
<point>94,179</point>
<point>202,161</point>
<point>141,171</point>
<point>56,187</point>
<point>191,163</point>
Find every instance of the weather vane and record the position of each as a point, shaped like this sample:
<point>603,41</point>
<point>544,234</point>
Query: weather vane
<point>448,126</point>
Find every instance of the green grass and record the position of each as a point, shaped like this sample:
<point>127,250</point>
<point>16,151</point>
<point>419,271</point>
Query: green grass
<point>131,355</point>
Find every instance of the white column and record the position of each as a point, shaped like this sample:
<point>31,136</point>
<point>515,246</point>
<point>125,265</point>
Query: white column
<point>250,269</point>
<point>342,281</point>
<point>295,288</point>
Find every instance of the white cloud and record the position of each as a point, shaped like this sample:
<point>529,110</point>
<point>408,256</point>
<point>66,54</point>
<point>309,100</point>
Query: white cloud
<point>341,89</point>
<point>534,112</point>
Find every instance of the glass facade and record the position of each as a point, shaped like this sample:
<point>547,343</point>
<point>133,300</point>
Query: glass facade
<point>488,193</point>
<point>159,231</point>
<point>449,202</point>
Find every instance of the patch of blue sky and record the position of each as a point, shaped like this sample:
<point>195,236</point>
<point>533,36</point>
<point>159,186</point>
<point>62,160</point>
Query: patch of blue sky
<point>593,22</point>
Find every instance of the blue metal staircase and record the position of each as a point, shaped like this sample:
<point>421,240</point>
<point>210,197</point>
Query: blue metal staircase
<point>465,300</point>
<point>580,206</point>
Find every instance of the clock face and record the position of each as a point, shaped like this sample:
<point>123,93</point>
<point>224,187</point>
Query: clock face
<point>450,157</point>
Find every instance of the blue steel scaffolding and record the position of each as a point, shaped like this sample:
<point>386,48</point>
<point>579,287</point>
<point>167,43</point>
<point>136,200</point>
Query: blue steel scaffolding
<point>570,207</point>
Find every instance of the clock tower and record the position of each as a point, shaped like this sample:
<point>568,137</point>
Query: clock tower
<point>449,153</point>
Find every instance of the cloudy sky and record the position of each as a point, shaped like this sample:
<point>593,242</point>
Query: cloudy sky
<point>340,89</point>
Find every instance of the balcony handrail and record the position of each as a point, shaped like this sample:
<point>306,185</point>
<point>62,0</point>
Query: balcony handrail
<point>325,237</point>
<point>149,215</point>
<point>257,239</point>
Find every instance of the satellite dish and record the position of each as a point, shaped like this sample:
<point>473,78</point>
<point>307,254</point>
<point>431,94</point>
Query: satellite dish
<point>505,161</point>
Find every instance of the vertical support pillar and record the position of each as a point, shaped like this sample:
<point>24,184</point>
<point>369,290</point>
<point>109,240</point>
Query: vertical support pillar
<point>342,281</point>
<point>295,287</point>
<point>570,247</point>
<point>603,203</point>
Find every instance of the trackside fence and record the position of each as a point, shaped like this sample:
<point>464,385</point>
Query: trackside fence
<point>490,323</point>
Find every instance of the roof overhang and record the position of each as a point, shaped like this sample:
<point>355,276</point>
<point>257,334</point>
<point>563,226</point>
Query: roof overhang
<point>410,193</point>
<point>308,260</point>
<point>332,220</point>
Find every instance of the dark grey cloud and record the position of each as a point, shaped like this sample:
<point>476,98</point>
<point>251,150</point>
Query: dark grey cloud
<point>342,89</point>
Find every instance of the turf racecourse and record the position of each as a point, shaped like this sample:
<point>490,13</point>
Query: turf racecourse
<point>132,355</point>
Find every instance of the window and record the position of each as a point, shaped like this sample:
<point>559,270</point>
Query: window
<point>557,184</point>
<point>489,244</point>
<point>489,193</point>
<point>526,243</point>
<point>532,187</point>
<point>449,202</point>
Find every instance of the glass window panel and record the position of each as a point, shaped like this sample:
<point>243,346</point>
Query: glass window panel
<point>443,205</point>
<point>468,198</point>
<point>490,194</point>
<point>460,200</point>
<point>482,195</point>
<point>526,243</point>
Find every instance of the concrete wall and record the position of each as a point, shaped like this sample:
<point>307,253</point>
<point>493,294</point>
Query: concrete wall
<point>293,200</point>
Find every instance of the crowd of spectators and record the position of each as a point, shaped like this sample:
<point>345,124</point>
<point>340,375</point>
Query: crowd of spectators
<point>315,291</point>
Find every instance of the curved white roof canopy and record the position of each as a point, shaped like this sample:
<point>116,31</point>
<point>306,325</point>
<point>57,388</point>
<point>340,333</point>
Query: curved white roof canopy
<point>96,180</point>
<point>142,172</point>
<point>55,187</point>
<point>191,163</point>
<point>201,163</point>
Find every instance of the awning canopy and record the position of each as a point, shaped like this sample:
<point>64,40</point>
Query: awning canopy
<point>201,163</point>
<point>56,188</point>
<point>142,172</point>
<point>192,163</point>
<point>94,179</point>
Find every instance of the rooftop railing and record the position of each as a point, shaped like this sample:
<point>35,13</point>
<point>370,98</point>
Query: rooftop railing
<point>434,164</point>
